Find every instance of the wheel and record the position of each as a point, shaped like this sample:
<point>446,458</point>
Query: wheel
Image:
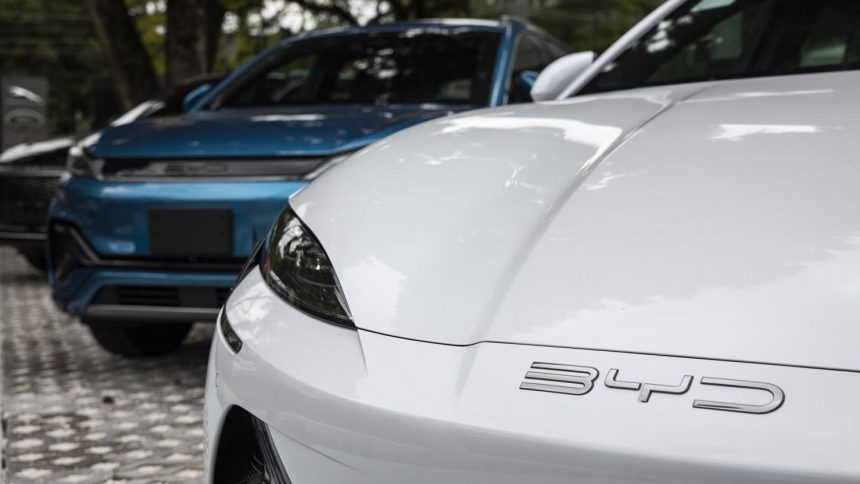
<point>36,259</point>
<point>144,340</point>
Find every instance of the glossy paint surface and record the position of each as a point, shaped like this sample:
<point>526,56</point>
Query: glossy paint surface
<point>114,216</point>
<point>300,130</point>
<point>708,220</point>
<point>269,132</point>
<point>358,407</point>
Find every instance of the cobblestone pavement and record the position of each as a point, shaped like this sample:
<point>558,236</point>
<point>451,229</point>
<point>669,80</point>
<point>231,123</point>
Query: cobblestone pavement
<point>73,413</point>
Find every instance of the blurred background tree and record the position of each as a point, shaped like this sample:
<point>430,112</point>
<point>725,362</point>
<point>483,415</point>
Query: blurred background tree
<point>56,40</point>
<point>104,56</point>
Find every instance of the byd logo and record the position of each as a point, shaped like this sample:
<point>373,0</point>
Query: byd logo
<point>579,380</point>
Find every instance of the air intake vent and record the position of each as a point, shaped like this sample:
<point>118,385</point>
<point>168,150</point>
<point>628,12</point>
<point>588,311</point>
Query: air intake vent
<point>179,297</point>
<point>246,454</point>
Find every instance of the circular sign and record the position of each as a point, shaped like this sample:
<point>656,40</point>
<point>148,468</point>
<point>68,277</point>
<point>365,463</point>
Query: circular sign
<point>24,119</point>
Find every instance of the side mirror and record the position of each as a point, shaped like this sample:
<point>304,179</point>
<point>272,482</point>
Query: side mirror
<point>192,98</point>
<point>561,73</point>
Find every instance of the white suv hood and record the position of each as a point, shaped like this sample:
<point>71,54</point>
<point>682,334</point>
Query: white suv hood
<point>712,220</point>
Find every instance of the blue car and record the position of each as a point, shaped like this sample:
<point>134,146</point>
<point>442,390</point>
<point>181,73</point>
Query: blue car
<point>154,219</point>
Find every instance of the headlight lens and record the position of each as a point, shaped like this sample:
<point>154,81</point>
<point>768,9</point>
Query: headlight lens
<point>298,269</point>
<point>82,163</point>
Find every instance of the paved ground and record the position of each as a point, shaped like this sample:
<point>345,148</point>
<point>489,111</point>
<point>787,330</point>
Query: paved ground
<point>75,413</point>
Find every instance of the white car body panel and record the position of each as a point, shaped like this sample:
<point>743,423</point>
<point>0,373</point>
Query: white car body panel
<point>358,407</point>
<point>664,235</point>
<point>706,220</point>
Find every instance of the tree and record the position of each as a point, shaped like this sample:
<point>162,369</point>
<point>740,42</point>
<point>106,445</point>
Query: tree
<point>129,62</point>
<point>82,46</point>
<point>57,41</point>
<point>193,31</point>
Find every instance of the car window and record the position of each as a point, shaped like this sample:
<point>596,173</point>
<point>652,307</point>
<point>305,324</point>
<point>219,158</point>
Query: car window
<point>726,39</point>
<point>436,66</point>
<point>531,54</point>
<point>555,50</point>
<point>285,83</point>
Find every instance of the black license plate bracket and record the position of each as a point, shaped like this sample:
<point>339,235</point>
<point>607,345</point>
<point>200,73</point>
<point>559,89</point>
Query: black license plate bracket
<point>191,232</point>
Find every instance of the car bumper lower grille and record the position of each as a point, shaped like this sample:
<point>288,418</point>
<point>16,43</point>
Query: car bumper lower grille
<point>70,251</point>
<point>246,453</point>
<point>24,202</point>
<point>179,297</point>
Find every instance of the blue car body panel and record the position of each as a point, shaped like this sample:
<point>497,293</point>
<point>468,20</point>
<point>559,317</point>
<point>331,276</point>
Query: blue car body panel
<point>262,133</point>
<point>120,228</point>
<point>111,217</point>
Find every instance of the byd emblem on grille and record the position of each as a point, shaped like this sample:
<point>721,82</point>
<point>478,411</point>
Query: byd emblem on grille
<point>579,380</point>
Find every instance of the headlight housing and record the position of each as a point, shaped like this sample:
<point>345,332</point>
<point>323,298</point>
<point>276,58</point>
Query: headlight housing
<point>82,163</point>
<point>298,269</point>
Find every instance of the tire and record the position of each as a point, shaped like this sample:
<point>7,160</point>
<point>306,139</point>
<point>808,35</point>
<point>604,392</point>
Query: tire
<point>37,260</point>
<point>143,340</point>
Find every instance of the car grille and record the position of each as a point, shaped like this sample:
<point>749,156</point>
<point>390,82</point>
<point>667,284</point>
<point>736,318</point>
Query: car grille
<point>143,169</point>
<point>24,201</point>
<point>158,296</point>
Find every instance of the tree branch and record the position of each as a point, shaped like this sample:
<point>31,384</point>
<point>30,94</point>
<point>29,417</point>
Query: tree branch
<point>330,9</point>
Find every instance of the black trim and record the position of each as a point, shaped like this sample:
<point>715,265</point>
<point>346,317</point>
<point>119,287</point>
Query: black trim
<point>214,169</point>
<point>24,240</point>
<point>150,314</point>
<point>246,453</point>
<point>23,236</point>
<point>91,259</point>
<point>209,298</point>
<point>24,201</point>
<point>230,337</point>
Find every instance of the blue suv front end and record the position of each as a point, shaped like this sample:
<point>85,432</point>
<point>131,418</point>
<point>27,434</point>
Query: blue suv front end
<point>155,218</point>
<point>104,265</point>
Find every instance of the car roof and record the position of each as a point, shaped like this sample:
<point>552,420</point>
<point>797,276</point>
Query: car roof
<point>480,25</point>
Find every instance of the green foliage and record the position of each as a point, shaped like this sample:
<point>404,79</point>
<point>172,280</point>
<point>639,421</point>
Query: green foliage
<point>582,24</point>
<point>54,39</point>
<point>150,17</point>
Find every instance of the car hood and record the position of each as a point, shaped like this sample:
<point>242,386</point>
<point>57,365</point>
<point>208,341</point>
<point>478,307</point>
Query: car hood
<point>301,131</point>
<point>37,153</point>
<point>707,220</point>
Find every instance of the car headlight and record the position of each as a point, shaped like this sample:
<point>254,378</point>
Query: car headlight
<point>82,163</point>
<point>298,269</point>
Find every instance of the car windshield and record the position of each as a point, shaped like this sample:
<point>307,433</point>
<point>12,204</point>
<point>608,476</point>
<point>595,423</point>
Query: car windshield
<point>730,39</point>
<point>416,66</point>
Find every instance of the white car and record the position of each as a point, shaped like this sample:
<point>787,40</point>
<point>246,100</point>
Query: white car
<point>655,279</point>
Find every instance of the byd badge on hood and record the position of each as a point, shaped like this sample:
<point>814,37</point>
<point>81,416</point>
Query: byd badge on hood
<point>579,380</point>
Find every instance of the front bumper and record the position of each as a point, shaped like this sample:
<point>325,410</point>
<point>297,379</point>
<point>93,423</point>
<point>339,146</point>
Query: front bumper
<point>101,265</point>
<point>359,407</point>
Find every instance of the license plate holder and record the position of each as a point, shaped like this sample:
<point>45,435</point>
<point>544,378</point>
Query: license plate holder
<point>191,232</point>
